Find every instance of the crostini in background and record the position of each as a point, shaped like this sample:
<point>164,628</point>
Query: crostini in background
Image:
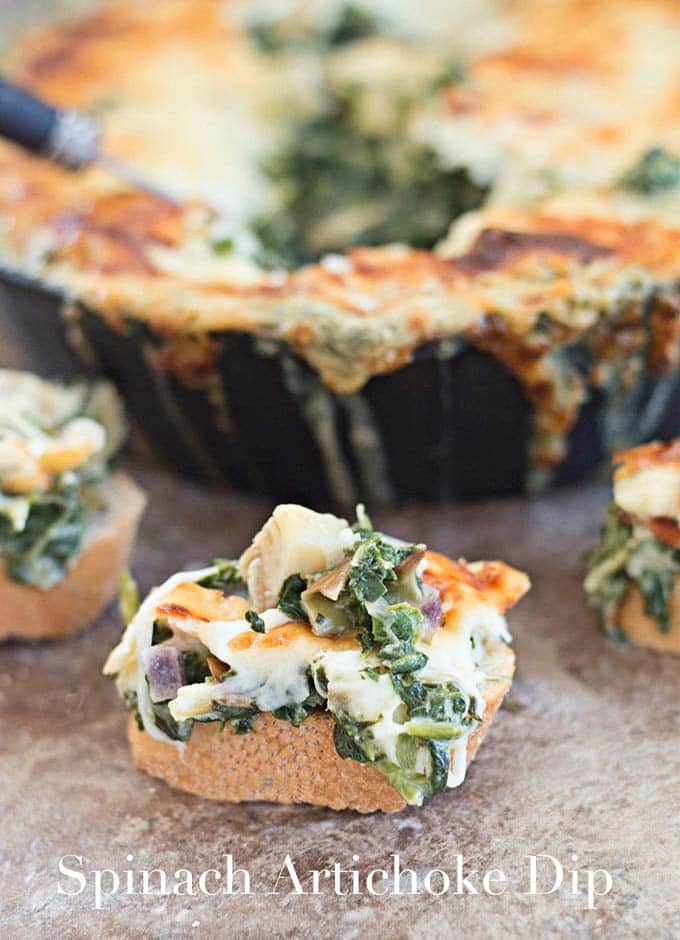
<point>633,577</point>
<point>67,525</point>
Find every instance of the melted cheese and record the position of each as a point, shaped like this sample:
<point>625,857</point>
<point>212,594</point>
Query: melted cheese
<point>652,492</point>
<point>45,432</point>
<point>125,660</point>
<point>270,669</point>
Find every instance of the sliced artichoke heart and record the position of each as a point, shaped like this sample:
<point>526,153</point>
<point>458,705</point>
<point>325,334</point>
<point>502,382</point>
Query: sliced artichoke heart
<point>294,540</point>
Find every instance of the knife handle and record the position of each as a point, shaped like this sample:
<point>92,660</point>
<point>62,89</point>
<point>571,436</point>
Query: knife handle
<point>69,138</point>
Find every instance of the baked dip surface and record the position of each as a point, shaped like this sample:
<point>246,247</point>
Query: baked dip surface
<point>254,316</point>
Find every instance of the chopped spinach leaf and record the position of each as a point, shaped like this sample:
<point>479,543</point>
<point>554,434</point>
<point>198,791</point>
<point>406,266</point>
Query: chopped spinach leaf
<point>176,730</point>
<point>656,588</point>
<point>655,171</point>
<point>626,555</point>
<point>256,622</point>
<point>440,702</point>
<point>241,717</point>
<point>353,739</point>
<point>52,537</point>
<point>231,712</point>
<point>223,246</point>
<point>371,567</point>
<point>321,680</point>
<point>410,662</point>
<point>341,185</point>
<point>226,578</point>
<point>440,757</point>
<point>275,36</point>
<point>161,633</point>
<point>289,598</point>
<point>195,666</point>
<point>393,633</point>
<point>130,699</point>
<point>299,711</point>
<point>373,564</point>
<point>353,23</point>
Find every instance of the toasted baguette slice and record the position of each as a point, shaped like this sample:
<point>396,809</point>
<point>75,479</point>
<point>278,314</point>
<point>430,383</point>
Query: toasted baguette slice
<point>641,630</point>
<point>29,613</point>
<point>280,763</point>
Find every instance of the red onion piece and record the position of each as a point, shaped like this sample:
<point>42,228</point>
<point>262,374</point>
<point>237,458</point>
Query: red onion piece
<point>164,671</point>
<point>431,609</point>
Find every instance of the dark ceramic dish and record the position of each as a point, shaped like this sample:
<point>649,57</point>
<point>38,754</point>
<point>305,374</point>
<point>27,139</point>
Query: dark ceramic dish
<point>452,424</point>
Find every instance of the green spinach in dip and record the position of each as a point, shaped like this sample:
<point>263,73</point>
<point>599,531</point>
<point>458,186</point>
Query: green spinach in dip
<point>630,554</point>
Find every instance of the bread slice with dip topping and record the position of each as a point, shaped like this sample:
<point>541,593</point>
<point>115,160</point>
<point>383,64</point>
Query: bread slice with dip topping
<point>66,526</point>
<point>344,668</point>
<point>633,577</point>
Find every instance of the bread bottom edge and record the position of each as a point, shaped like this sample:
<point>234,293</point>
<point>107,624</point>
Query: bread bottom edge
<point>279,763</point>
<point>640,630</point>
<point>28,613</point>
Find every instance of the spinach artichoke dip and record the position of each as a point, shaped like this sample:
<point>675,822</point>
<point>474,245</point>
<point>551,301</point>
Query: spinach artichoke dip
<point>633,571</point>
<point>341,666</point>
<point>58,502</point>
<point>455,221</point>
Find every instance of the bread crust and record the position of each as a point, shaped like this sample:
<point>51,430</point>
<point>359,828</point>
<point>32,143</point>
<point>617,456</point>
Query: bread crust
<point>29,613</point>
<point>641,630</point>
<point>279,763</point>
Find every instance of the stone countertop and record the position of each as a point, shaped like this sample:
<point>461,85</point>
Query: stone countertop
<point>583,762</point>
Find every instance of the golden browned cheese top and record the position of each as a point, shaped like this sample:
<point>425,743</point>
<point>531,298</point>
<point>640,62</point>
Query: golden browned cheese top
<point>657,453</point>
<point>462,585</point>
<point>577,87</point>
<point>550,113</point>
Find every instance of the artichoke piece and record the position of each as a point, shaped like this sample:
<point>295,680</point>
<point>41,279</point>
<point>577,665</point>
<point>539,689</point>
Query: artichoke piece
<point>294,540</point>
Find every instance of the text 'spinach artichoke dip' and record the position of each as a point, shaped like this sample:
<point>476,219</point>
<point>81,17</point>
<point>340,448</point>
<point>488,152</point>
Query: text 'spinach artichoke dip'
<point>59,503</point>
<point>634,570</point>
<point>540,334</point>
<point>319,630</point>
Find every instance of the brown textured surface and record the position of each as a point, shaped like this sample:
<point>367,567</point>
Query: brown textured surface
<point>91,583</point>
<point>586,761</point>
<point>642,630</point>
<point>284,764</point>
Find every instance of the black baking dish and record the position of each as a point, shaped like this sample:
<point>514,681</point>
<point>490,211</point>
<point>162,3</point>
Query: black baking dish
<point>453,423</point>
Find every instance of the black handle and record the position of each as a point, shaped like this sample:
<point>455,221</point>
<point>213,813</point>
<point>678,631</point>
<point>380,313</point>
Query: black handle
<point>25,119</point>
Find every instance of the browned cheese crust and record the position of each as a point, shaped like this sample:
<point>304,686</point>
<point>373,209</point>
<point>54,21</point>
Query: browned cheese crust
<point>641,630</point>
<point>566,93</point>
<point>29,613</point>
<point>279,763</point>
<point>103,239</point>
